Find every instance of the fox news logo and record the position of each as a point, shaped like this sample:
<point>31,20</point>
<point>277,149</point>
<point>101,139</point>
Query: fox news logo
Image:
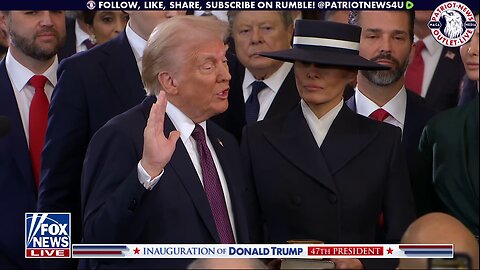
<point>47,235</point>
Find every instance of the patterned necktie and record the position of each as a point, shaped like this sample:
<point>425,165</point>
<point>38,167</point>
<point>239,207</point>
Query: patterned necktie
<point>415,70</point>
<point>88,43</point>
<point>379,115</point>
<point>38,118</point>
<point>252,105</point>
<point>213,188</point>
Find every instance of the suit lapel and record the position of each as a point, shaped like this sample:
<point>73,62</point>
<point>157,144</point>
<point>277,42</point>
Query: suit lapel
<point>295,143</point>
<point>183,167</point>
<point>345,139</point>
<point>122,71</point>
<point>17,139</point>
<point>287,97</point>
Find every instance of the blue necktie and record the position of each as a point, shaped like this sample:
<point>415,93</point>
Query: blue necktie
<point>252,106</point>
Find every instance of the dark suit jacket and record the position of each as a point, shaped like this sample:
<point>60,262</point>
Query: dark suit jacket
<point>233,119</point>
<point>70,46</point>
<point>93,87</point>
<point>118,209</point>
<point>443,92</point>
<point>449,146</point>
<point>18,193</point>
<point>416,117</point>
<point>335,193</point>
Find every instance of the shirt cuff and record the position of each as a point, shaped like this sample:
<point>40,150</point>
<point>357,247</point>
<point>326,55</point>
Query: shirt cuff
<point>145,179</point>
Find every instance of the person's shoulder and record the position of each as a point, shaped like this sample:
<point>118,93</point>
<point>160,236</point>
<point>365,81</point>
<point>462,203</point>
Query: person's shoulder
<point>453,116</point>
<point>131,121</point>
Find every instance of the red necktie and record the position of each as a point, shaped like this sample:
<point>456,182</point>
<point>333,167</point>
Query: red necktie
<point>415,70</point>
<point>38,123</point>
<point>379,115</point>
<point>213,188</point>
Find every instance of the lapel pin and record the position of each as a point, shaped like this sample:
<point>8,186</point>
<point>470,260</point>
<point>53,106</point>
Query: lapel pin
<point>450,55</point>
<point>220,142</point>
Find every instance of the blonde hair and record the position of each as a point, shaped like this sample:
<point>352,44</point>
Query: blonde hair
<point>174,38</point>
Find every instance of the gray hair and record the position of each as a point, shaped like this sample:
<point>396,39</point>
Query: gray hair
<point>172,36</point>
<point>286,16</point>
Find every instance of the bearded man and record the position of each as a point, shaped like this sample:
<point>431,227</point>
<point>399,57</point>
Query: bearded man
<point>387,38</point>
<point>27,78</point>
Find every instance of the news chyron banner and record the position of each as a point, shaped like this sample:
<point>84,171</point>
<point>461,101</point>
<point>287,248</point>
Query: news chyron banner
<point>48,235</point>
<point>226,4</point>
<point>285,251</point>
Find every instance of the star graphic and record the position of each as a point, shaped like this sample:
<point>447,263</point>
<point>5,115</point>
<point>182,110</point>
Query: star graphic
<point>136,251</point>
<point>389,251</point>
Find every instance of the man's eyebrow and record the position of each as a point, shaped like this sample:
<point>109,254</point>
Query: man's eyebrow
<point>377,30</point>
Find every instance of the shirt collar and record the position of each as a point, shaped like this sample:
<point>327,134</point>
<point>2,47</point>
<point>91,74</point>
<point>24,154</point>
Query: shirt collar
<point>182,123</point>
<point>20,75</point>
<point>80,35</point>
<point>325,119</point>
<point>137,43</point>
<point>274,81</point>
<point>396,106</point>
<point>430,43</point>
<point>320,126</point>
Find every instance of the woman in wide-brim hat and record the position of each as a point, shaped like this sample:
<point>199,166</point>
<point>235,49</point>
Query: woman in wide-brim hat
<point>328,50</point>
<point>322,171</point>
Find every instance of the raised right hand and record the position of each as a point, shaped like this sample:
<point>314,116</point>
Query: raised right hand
<point>157,149</point>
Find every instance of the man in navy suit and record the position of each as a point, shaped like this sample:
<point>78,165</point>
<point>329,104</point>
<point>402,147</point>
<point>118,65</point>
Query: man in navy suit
<point>35,37</point>
<point>93,87</point>
<point>77,34</point>
<point>387,38</point>
<point>254,32</point>
<point>322,171</point>
<point>443,67</point>
<point>140,183</point>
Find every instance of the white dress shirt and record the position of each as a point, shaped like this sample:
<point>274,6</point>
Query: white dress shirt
<point>220,14</point>
<point>320,126</point>
<point>19,77</point>
<point>80,37</point>
<point>431,55</point>
<point>185,126</point>
<point>266,96</point>
<point>138,45</point>
<point>396,107</point>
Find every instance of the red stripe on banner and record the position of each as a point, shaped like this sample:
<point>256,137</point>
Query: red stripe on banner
<point>97,252</point>
<point>426,246</point>
<point>345,250</point>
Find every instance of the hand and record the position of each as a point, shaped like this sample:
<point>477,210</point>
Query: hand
<point>347,263</point>
<point>157,150</point>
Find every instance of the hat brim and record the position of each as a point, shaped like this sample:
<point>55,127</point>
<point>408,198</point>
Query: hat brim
<point>333,59</point>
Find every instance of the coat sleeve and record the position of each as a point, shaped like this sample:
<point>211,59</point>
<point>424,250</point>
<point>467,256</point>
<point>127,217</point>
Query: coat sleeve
<point>111,192</point>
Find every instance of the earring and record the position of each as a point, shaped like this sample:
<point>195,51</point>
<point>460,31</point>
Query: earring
<point>93,39</point>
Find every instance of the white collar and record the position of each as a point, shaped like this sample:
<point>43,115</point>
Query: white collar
<point>80,35</point>
<point>274,81</point>
<point>137,43</point>
<point>182,123</point>
<point>430,43</point>
<point>20,75</point>
<point>396,106</point>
